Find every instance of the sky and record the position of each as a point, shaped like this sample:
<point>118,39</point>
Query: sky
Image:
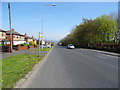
<point>58,20</point>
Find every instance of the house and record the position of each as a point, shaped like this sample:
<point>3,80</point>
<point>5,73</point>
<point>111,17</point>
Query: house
<point>28,39</point>
<point>2,34</point>
<point>34,40</point>
<point>3,39</point>
<point>17,38</point>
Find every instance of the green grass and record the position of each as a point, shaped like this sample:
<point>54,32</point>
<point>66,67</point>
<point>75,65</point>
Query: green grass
<point>16,67</point>
<point>0,74</point>
<point>44,49</point>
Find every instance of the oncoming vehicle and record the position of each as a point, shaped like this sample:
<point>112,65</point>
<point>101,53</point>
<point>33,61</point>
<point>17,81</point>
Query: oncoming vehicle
<point>70,46</point>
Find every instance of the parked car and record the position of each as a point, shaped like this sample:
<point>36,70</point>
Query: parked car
<point>70,46</point>
<point>48,46</point>
<point>45,46</point>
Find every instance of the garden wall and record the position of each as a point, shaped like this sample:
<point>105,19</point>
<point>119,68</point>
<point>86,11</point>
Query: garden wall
<point>19,48</point>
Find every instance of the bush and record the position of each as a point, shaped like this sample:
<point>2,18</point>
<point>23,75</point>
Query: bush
<point>14,46</point>
<point>31,43</point>
<point>24,44</point>
<point>35,45</point>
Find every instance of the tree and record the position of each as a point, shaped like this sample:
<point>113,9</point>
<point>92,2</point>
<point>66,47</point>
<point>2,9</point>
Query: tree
<point>107,29</point>
<point>103,29</point>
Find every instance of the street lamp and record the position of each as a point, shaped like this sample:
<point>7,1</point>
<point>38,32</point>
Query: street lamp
<point>42,29</point>
<point>42,23</point>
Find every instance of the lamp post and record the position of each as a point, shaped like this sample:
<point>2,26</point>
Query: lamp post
<point>10,27</point>
<point>42,21</point>
<point>41,34</point>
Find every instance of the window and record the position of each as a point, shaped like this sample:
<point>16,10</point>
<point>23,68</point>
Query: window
<point>2,34</point>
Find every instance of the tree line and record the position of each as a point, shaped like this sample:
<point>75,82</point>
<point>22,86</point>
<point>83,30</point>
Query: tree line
<point>103,29</point>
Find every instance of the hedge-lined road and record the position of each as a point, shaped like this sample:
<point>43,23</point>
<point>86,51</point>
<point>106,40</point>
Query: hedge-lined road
<point>76,68</point>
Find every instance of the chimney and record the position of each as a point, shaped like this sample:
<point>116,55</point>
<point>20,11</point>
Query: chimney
<point>25,34</point>
<point>12,29</point>
<point>32,36</point>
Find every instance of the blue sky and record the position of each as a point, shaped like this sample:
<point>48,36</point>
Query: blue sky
<point>58,20</point>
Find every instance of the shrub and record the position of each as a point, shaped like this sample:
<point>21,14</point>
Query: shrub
<point>24,44</point>
<point>31,43</point>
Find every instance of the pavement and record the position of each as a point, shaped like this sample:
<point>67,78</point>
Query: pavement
<point>28,51</point>
<point>75,68</point>
<point>105,52</point>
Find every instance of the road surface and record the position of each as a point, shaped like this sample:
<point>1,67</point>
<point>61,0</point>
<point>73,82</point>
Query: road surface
<point>76,68</point>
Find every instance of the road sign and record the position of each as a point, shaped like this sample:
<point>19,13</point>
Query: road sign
<point>41,35</point>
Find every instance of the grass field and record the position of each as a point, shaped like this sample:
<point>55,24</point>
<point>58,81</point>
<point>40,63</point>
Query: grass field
<point>16,67</point>
<point>44,49</point>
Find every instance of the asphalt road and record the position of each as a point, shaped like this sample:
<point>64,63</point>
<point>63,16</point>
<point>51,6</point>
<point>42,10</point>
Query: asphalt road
<point>76,68</point>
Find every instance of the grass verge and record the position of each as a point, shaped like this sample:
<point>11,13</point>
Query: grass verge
<point>0,74</point>
<point>44,49</point>
<point>16,67</point>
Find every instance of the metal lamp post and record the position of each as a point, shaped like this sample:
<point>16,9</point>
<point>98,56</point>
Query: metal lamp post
<point>42,21</point>
<point>42,24</point>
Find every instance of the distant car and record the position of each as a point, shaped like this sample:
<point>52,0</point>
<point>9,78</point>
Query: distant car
<point>48,46</point>
<point>45,46</point>
<point>70,46</point>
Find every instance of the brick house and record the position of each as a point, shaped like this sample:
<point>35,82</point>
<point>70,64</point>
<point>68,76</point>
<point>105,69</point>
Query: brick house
<point>3,39</point>
<point>27,38</point>
<point>17,38</point>
<point>34,40</point>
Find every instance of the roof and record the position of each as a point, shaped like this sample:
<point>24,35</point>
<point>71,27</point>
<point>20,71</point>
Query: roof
<point>13,32</point>
<point>28,37</point>
<point>2,30</point>
<point>34,39</point>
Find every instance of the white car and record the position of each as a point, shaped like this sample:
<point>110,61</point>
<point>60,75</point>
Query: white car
<point>71,46</point>
<point>45,46</point>
<point>48,46</point>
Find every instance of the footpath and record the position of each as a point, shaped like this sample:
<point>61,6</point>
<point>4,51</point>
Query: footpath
<point>28,51</point>
<point>105,52</point>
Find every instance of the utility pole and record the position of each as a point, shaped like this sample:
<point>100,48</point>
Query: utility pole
<point>10,27</point>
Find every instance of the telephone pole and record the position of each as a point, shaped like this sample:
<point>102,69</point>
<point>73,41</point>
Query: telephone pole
<point>10,27</point>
